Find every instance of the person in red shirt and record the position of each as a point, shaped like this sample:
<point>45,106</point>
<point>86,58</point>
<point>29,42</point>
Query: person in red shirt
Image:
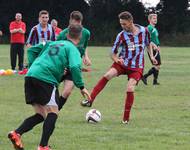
<point>17,29</point>
<point>54,24</point>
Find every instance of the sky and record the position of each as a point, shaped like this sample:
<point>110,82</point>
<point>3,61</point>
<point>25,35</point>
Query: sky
<point>151,3</point>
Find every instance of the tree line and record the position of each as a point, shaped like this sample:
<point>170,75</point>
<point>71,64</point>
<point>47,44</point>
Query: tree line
<point>101,17</point>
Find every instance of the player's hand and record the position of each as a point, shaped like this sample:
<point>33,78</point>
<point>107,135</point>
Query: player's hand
<point>28,45</point>
<point>120,61</point>
<point>65,71</point>
<point>20,30</point>
<point>87,61</point>
<point>154,60</point>
<point>158,48</point>
<point>85,94</point>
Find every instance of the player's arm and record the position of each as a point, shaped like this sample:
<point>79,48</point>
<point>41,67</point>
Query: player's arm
<point>31,38</point>
<point>33,52</point>
<point>149,46</point>
<point>62,35</point>
<point>158,43</point>
<point>154,38</point>
<point>154,46</point>
<point>77,79</point>
<point>150,52</point>
<point>117,59</point>
<point>75,68</point>
<point>86,59</point>
<point>114,51</point>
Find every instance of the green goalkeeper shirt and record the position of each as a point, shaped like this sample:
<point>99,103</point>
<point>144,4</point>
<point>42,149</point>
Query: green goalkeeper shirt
<point>47,62</point>
<point>153,34</point>
<point>83,41</point>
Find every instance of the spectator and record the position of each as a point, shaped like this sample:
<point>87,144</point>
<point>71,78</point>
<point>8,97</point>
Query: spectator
<point>54,24</point>
<point>17,29</point>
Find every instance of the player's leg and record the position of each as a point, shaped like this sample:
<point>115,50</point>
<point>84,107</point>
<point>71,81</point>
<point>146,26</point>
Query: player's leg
<point>50,121</point>
<point>129,99</point>
<point>112,72</point>
<point>157,68</point>
<point>134,77</point>
<point>67,89</point>
<point>27,125</point>
<point>102,82</point>
<point>35,90</point>
<point>30,122</point>
<point>150,71</point>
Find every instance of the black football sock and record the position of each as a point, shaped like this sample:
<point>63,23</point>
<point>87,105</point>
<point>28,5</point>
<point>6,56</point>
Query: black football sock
<point>156,73</point>
<point>150,72</point>
<point>29,123</point>
<point>62,102</point>
<point>48,127</point>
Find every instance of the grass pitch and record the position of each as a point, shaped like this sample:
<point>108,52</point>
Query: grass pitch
<point>160,118</point>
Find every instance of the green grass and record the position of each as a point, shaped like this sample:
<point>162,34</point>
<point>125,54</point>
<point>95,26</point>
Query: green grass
<point>160,118</point>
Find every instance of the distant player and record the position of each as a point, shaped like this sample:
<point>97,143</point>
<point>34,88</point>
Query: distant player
<point>47,63</point>
<point>54,24</point>
<point>152,18</point>
<point>41,32</point>
<point>76,17</point>
<point>130,60</point>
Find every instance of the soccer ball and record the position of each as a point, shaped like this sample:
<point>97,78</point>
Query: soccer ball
<point>93,116</point>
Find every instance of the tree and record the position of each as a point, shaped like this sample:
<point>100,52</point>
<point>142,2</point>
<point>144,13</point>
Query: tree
<point>174,16</point>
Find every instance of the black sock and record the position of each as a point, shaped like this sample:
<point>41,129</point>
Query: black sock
<point>48,127</point>
<point>62,102</point>
<point>156,73</point>
<point>150,72</point>
<point>29,123</point>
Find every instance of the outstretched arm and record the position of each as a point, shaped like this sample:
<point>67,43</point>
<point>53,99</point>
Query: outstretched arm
<point>86,59</point>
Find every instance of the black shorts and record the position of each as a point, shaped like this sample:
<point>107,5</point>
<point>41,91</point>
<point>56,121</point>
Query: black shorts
<point>40,92</point>
<point>67,76</point>
<point>158,57</point>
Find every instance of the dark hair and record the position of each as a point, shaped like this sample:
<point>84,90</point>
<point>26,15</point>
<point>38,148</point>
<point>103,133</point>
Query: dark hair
<point>75,30</point>
<point>76,15</point>
<point>43,12</point>
<point>125,15</point>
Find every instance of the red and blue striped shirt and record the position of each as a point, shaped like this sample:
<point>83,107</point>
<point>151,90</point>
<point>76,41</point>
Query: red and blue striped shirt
<point>131,47</point>
<point>37,35</point>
